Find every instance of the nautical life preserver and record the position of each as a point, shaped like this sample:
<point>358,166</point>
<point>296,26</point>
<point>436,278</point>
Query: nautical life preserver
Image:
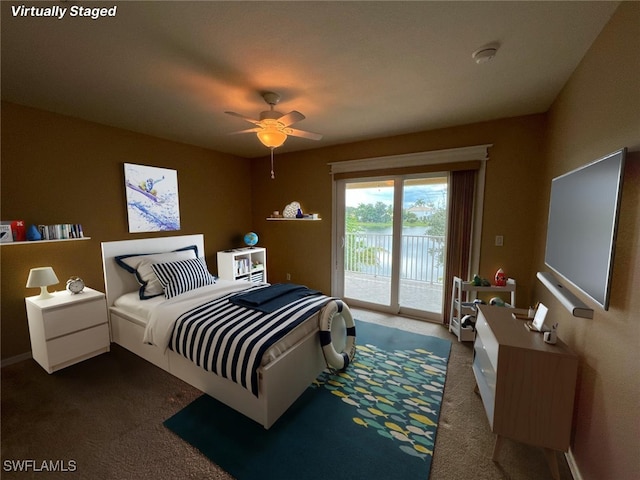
<point>338,361</point>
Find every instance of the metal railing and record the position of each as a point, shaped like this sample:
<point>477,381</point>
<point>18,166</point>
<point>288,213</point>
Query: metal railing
<point>421,258</point>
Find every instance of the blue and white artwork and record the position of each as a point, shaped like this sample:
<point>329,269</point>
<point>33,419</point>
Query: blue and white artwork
<point>152,198</point>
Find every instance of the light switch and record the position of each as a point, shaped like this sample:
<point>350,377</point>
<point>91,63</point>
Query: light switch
<point>499,240</point>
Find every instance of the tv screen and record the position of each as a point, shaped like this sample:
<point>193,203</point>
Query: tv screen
<point>583,217</point>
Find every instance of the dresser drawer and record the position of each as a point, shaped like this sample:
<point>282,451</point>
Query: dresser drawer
<point>488,341</point>
<point>73,317</point>
<point>69,347</point>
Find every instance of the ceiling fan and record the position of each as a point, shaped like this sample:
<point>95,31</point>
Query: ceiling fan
<point>273,128</point>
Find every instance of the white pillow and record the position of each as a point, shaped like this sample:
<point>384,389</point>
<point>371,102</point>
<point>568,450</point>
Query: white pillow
<point>140,266</point>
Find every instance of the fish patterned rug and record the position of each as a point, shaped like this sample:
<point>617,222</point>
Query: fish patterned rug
<point>378,419</point>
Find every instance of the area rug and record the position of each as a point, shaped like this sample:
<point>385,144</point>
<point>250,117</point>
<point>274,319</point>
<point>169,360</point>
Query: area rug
<point>378,419</point>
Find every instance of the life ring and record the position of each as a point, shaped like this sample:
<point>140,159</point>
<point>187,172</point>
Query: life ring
<point>335,360</point>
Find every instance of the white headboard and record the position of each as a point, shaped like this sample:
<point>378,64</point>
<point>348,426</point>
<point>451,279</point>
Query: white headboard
<point>117,281</point>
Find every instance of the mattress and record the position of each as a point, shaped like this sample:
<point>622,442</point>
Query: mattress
<point>141,312</point>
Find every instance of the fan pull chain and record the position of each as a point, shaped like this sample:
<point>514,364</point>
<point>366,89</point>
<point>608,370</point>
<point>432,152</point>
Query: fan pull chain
<point>273,175</point>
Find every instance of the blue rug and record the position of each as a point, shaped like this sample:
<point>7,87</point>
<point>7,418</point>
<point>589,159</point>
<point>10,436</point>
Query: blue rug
<point>376,420</point>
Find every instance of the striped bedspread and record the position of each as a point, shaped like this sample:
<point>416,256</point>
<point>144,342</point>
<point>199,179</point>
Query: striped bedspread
<point>230,339</point>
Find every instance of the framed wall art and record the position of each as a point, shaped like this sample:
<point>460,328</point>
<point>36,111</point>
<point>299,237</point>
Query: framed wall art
<point>152,198</point>
<point>6,235</point>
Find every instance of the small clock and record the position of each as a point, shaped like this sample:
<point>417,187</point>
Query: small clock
<point>75,284</point>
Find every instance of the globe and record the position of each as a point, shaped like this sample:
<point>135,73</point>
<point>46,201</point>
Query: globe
<point>251,239</point>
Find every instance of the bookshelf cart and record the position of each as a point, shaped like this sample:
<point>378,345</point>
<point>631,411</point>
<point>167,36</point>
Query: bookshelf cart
<point>462,304</point>
<point>248,264</point>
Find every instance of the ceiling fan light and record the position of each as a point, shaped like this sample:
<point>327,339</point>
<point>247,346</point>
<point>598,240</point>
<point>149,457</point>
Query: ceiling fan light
<point>271,137</point>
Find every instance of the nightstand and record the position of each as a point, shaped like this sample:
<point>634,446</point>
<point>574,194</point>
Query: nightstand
<point>67,328</point>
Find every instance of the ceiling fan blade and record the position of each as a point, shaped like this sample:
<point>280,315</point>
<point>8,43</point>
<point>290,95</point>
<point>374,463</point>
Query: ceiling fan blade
<point>250,120</point>
<point>248,130</point>
<point>301,133</point>
<point>291,118</point>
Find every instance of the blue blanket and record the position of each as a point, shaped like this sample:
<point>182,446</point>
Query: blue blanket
<point>271,298</point>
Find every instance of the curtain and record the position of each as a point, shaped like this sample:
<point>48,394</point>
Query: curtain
<point>459,232</point>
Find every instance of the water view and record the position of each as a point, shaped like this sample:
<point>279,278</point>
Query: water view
<point>369,243</point>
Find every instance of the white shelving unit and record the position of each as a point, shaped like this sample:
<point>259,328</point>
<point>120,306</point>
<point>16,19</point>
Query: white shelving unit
<point>248,264</point>
<point>462,296</point>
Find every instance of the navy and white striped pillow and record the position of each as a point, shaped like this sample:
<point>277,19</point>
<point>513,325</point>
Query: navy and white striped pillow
<point>183,276</point>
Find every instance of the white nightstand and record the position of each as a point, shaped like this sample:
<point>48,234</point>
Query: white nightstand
<point>67,328</point>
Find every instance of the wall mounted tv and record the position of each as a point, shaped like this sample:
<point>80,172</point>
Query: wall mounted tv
<point>583,219</point>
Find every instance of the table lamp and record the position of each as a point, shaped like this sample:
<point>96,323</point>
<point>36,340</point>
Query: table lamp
<point>42,277</point>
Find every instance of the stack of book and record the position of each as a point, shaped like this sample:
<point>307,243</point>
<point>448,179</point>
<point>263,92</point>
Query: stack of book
<point>242,266</point>
<point>61,231</point>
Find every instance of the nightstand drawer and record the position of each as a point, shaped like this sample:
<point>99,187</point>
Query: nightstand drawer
<point>63,320</point>
<point>79,344</point>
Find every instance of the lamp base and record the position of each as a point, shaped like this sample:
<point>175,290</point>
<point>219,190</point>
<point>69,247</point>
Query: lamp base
<point>44,294</point>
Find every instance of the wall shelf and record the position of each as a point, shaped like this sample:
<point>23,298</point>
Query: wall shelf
<point>281,219</point>
<point>33,242</point>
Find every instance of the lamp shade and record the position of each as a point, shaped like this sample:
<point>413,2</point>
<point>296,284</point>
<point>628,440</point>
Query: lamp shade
<point>272,137</point>
<point>42,277</point>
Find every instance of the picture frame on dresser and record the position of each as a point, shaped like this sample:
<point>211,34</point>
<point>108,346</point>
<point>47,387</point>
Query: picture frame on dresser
<point>6,235</point>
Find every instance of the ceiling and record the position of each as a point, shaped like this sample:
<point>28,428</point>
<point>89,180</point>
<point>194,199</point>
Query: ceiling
<point>357,70</point>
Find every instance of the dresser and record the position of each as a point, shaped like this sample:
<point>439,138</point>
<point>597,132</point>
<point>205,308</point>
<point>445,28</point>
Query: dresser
<point>67,328</point>
<point>527,386</point>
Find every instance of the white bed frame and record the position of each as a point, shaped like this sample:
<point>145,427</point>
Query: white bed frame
<point>280,382</point>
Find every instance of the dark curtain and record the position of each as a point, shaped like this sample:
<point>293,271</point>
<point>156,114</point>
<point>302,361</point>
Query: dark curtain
<point>459,231</point>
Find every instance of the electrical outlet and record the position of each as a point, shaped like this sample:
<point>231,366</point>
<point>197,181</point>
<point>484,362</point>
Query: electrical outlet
<point>499,240</point>
<point>288,276</point>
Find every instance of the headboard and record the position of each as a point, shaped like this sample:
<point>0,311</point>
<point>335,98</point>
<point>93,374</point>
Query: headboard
<point>117,281</point>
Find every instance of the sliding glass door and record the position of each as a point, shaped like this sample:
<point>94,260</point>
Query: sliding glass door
<point>391,248</point>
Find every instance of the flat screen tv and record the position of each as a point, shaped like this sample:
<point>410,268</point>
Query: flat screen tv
<point>583,219</point>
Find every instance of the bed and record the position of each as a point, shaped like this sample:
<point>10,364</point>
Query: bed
<point>282,375</point>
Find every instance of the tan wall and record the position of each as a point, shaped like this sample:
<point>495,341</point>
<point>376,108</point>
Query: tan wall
<point>304,249</point>
<point>597,113</point>
<point>57,169</point>
<point>46,156</point>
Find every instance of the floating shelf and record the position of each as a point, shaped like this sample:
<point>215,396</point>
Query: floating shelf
<point>281,219</point>
<point>33,242</point>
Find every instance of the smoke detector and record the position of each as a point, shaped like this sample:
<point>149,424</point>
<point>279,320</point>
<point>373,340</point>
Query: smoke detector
<point>486,53</point>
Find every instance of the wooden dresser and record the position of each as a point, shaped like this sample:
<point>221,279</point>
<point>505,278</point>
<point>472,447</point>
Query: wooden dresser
<point>527,386</point>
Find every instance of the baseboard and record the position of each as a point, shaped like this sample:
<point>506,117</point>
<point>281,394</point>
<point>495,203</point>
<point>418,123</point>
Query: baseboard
<point>18,358</point>
<point>573,467</point>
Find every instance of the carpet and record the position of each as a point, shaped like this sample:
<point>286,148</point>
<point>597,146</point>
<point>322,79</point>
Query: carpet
<point>378,419</point>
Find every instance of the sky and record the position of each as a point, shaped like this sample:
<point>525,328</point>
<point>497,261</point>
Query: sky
<point>413,193</point>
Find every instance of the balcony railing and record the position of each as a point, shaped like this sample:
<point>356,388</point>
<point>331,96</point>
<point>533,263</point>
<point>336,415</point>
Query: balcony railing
<point>421,256</point>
